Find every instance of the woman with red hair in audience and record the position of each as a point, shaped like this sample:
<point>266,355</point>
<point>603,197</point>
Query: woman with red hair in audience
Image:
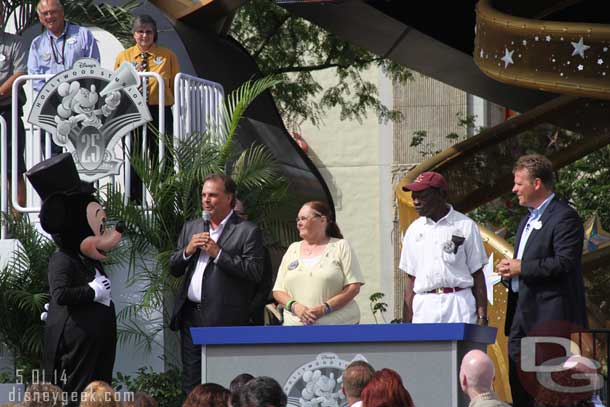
<point>385,389</point>
<point>208,395</point>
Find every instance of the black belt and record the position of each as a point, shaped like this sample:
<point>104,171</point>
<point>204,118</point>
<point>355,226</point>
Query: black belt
<point>445,290</point>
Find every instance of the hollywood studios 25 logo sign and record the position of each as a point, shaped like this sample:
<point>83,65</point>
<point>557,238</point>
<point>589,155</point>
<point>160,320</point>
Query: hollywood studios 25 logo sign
<point>88,109</point>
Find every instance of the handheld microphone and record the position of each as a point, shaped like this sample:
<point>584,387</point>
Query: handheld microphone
<point>206,221</point>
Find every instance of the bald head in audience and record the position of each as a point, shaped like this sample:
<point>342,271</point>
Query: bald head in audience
<point>477,376</point>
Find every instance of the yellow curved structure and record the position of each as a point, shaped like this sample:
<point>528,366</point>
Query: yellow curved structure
<point>560,57</point>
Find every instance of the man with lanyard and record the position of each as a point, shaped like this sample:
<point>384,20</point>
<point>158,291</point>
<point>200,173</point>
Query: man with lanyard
<point>13,65</point>
<point>59,46</point>
<point>443,256</point>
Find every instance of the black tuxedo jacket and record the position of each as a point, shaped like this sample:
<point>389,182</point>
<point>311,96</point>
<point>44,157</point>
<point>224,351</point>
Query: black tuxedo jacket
<point>551,286</point>
<point>72,311</point>
<point>229,283</point>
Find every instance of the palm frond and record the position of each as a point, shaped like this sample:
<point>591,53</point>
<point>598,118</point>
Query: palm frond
<point>254,168</point>
<point>236,105</point>
<point>24,288</point>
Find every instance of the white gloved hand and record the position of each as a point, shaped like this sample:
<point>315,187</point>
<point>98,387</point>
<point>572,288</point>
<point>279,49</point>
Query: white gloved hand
<point>101,286</point>
<point>45,314</point>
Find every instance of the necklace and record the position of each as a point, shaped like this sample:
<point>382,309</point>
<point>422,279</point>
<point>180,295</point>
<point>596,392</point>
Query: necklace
<point>309,248</point>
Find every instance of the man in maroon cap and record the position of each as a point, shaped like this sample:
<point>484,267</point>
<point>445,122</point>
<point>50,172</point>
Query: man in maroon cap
<point>443,256</point>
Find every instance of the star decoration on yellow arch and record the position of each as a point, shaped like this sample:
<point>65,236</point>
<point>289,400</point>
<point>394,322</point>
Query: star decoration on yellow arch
<point>595,235</point>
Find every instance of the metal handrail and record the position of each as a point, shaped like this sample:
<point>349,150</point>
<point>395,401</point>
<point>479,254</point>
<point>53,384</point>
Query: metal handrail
<point>3,200</point>
<point>198,105</point>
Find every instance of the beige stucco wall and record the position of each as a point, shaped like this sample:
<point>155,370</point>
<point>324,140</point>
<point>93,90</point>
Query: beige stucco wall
<point>348,155</point>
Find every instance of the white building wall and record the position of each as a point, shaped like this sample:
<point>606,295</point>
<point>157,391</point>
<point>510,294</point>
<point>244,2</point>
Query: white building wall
<point>356,166</point>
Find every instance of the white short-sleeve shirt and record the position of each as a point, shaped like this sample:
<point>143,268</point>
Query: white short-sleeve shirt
<point>434,253</point>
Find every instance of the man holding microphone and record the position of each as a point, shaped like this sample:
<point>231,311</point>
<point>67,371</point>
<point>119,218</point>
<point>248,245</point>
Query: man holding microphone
<point>222,263</point>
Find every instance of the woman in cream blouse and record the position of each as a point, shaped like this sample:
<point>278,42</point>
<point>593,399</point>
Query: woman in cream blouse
<point>319,276</point>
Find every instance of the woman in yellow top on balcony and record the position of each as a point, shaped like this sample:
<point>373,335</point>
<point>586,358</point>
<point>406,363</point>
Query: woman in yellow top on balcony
<point>147,56</point>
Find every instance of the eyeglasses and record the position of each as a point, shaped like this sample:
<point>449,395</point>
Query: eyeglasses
<point>144,32</point>
<point>306,218</point>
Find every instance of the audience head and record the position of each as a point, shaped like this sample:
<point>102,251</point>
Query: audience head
<point>315,218</point>
<point>208,395</point>
<point>141,399</point>
<point>99,394</point>
<point>263,392</point>
<point>51,15</point>
<point>476,373</point>
<point>237,385</point>
<point>385,389</point>
<point>355,377</point>
<point>42,395</point>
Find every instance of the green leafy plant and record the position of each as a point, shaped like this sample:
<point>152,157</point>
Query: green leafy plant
<point>377,306</point>
<point>7,377</point>
<point>24,288</point>
<point>163,387</point>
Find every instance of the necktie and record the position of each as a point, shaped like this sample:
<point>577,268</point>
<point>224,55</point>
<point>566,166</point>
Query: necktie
<point>143,67</point>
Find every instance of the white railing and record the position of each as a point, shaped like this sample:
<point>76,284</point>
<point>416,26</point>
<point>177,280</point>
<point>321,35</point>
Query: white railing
<point>198,106</point>
<point>3,186</point>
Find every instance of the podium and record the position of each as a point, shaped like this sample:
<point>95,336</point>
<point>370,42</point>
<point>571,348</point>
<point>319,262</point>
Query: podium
<point>308,360</point>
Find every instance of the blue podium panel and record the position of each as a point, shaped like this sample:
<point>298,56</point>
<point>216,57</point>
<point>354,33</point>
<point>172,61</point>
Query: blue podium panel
<point>308,361</point>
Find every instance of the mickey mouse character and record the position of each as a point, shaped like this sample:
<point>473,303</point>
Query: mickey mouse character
<point>80,331</point>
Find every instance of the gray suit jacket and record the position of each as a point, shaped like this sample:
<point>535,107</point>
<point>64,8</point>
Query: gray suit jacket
<point>229,283</point>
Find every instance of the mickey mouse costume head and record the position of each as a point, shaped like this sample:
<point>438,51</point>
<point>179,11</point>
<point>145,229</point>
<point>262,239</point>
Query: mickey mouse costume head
<point>70,212</point>
<point>80,330</point>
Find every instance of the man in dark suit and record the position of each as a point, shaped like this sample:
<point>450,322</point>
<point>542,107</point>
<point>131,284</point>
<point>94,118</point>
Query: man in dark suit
<point>222,268</point>
<point>546,294</point>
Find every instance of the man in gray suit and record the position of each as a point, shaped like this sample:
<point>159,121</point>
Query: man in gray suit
<point>222,261</point>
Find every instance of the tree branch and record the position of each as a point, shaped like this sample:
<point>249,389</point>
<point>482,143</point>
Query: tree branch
<point>271,35</point>
<point>319,67</point>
